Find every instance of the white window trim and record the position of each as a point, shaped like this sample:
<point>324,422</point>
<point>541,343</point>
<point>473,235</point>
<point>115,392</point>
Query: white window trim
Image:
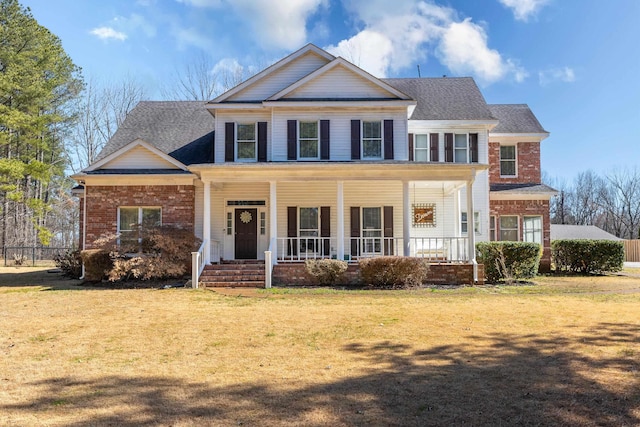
<point>467,148</point>
<point>477,222</point>
<point>140,208</point>
<point>427,149</point>
<point>515,160</point>
<point>524,230</point>
<point>317,157</point>
<point>499,235</point>
<point>255,142</point>
<point>362,139</point>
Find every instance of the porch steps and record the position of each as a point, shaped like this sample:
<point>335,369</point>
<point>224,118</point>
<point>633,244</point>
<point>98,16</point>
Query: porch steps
<point>234,274</point>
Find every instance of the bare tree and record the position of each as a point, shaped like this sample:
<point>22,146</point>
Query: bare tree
<point>101,109</point>
<point>586,207</point>
<point>620,201</point>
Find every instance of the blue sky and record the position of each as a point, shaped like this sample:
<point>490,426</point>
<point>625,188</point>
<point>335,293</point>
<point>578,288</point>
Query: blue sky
<point>575,62</point>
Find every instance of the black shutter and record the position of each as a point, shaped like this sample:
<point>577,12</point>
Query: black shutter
<point>292,139</point>
<point>355,139</point>
<point>355,230</point>
<point>229,141</point>
<point>324,140</point>
<point>388,139</point>
<point>262,141</point>
<point>411,147</point>
<point>325,228</point>
<point>292,230</point>
<point>448,147</point>
<point>388,230</point>
<point>473,147</point>
<point>434,147</point>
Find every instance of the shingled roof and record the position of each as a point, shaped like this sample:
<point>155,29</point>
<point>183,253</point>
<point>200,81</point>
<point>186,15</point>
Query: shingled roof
<point>181,129</point>
<point>515,118</point>
<point>529,188</point>
<point>445,98</point>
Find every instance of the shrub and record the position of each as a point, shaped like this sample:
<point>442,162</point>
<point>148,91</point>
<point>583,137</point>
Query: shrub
<point>165,252</point>
<point>326,271</point>
<point>509,261</point>
<point>70,263</point>
<point>394,272</point>
<point>97,264</point>
<point>587,256</point>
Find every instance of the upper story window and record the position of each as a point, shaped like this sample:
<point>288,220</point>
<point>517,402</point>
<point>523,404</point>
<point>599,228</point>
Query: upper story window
<point>308,140</point>
<point>424,147</point>
<point>461,147</point>
<point>421,148</point>
<point>508,160</point>
<point>371,140</point>
<point>246,142</point>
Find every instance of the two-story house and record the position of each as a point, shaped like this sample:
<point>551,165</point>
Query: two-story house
<point>314,157</point>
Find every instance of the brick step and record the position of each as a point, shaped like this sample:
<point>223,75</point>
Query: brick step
<point>249,267</point>
<point>234,284</point>
<point>231,277</point>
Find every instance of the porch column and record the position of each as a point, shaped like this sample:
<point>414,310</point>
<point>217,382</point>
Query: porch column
<point>340,217</point>
<point>273,221</point>
<point>406,219</point>
<point>471,234</point>
<point>206,221</point>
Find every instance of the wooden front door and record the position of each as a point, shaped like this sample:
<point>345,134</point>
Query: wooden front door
<point>246,240</point>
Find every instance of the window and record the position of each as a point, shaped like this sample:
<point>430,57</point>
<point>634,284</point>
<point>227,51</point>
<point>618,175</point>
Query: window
<point>132,222</point>
<point>308,140</point>
<point>492,228</point>
<point>372,140</point>
<point>421,148</point>
<point>460,148</point>
<point>372,230</point>
<point>507,160</point>
<point>532,229</point>
<point>464,222</point>
<point>229,223</point>
<point>509,228</point>
<point>263,223</point>
<point>246,142</point>
<point>308,231</point>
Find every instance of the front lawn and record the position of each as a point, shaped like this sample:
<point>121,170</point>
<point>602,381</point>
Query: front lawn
<point>565,351</point>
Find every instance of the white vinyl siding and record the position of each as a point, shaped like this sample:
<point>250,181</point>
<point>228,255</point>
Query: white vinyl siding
<point>281,79</point>
<point>139,158</point>
<point>344,83</point>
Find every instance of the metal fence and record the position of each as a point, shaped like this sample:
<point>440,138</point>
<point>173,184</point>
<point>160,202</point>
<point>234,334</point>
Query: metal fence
<point>30,255</point>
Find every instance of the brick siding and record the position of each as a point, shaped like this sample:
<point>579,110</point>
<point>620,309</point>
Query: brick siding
<point>177,203</point>
<point>527,162</point>
<point>294,274</point>
<point>522,208</point>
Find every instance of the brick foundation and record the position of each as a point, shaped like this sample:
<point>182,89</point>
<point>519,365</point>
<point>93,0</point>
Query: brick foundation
<point>524,208</point>
<point>294,274</point>
<point>177,203</point>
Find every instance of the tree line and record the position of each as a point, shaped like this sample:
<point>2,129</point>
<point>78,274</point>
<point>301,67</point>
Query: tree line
<point>610,201</point>
<point>53,123</point>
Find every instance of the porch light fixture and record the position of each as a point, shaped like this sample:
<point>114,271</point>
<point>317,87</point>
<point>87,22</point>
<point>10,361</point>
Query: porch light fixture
<point>424,215</point>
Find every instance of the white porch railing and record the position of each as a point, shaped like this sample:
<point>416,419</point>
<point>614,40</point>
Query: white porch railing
<point>197,264</point>
<point>215,251</point>
<point>293,249</point>
<point>433,249</point>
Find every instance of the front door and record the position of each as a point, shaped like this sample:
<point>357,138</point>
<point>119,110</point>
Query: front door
<point>246,240</point>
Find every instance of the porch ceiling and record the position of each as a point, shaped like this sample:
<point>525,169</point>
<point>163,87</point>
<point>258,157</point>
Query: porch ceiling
<point>333,171</point>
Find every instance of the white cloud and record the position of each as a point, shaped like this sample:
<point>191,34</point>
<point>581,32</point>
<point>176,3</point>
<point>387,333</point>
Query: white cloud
<point>400,34</point>
<point>524,9</point>
<point>464,50</point>
<point>564,74</point>
<point>191,37</point>
<point>106,33</point>
<point>275,24</point>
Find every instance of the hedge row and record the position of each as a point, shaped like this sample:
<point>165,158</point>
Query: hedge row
<point>587,256</point>
<point>507,261</point>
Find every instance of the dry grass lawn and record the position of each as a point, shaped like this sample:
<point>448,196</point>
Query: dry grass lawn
<point>565,351</point>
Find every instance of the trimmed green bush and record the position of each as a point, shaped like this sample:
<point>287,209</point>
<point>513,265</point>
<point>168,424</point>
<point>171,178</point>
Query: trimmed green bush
<point>394,272</point>
<point>587,256</point>
<point>326,271</point>
<point>97,264</point>
<point>508,261</point>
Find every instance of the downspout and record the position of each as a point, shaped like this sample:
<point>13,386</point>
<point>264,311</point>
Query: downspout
<point>84,225</point>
